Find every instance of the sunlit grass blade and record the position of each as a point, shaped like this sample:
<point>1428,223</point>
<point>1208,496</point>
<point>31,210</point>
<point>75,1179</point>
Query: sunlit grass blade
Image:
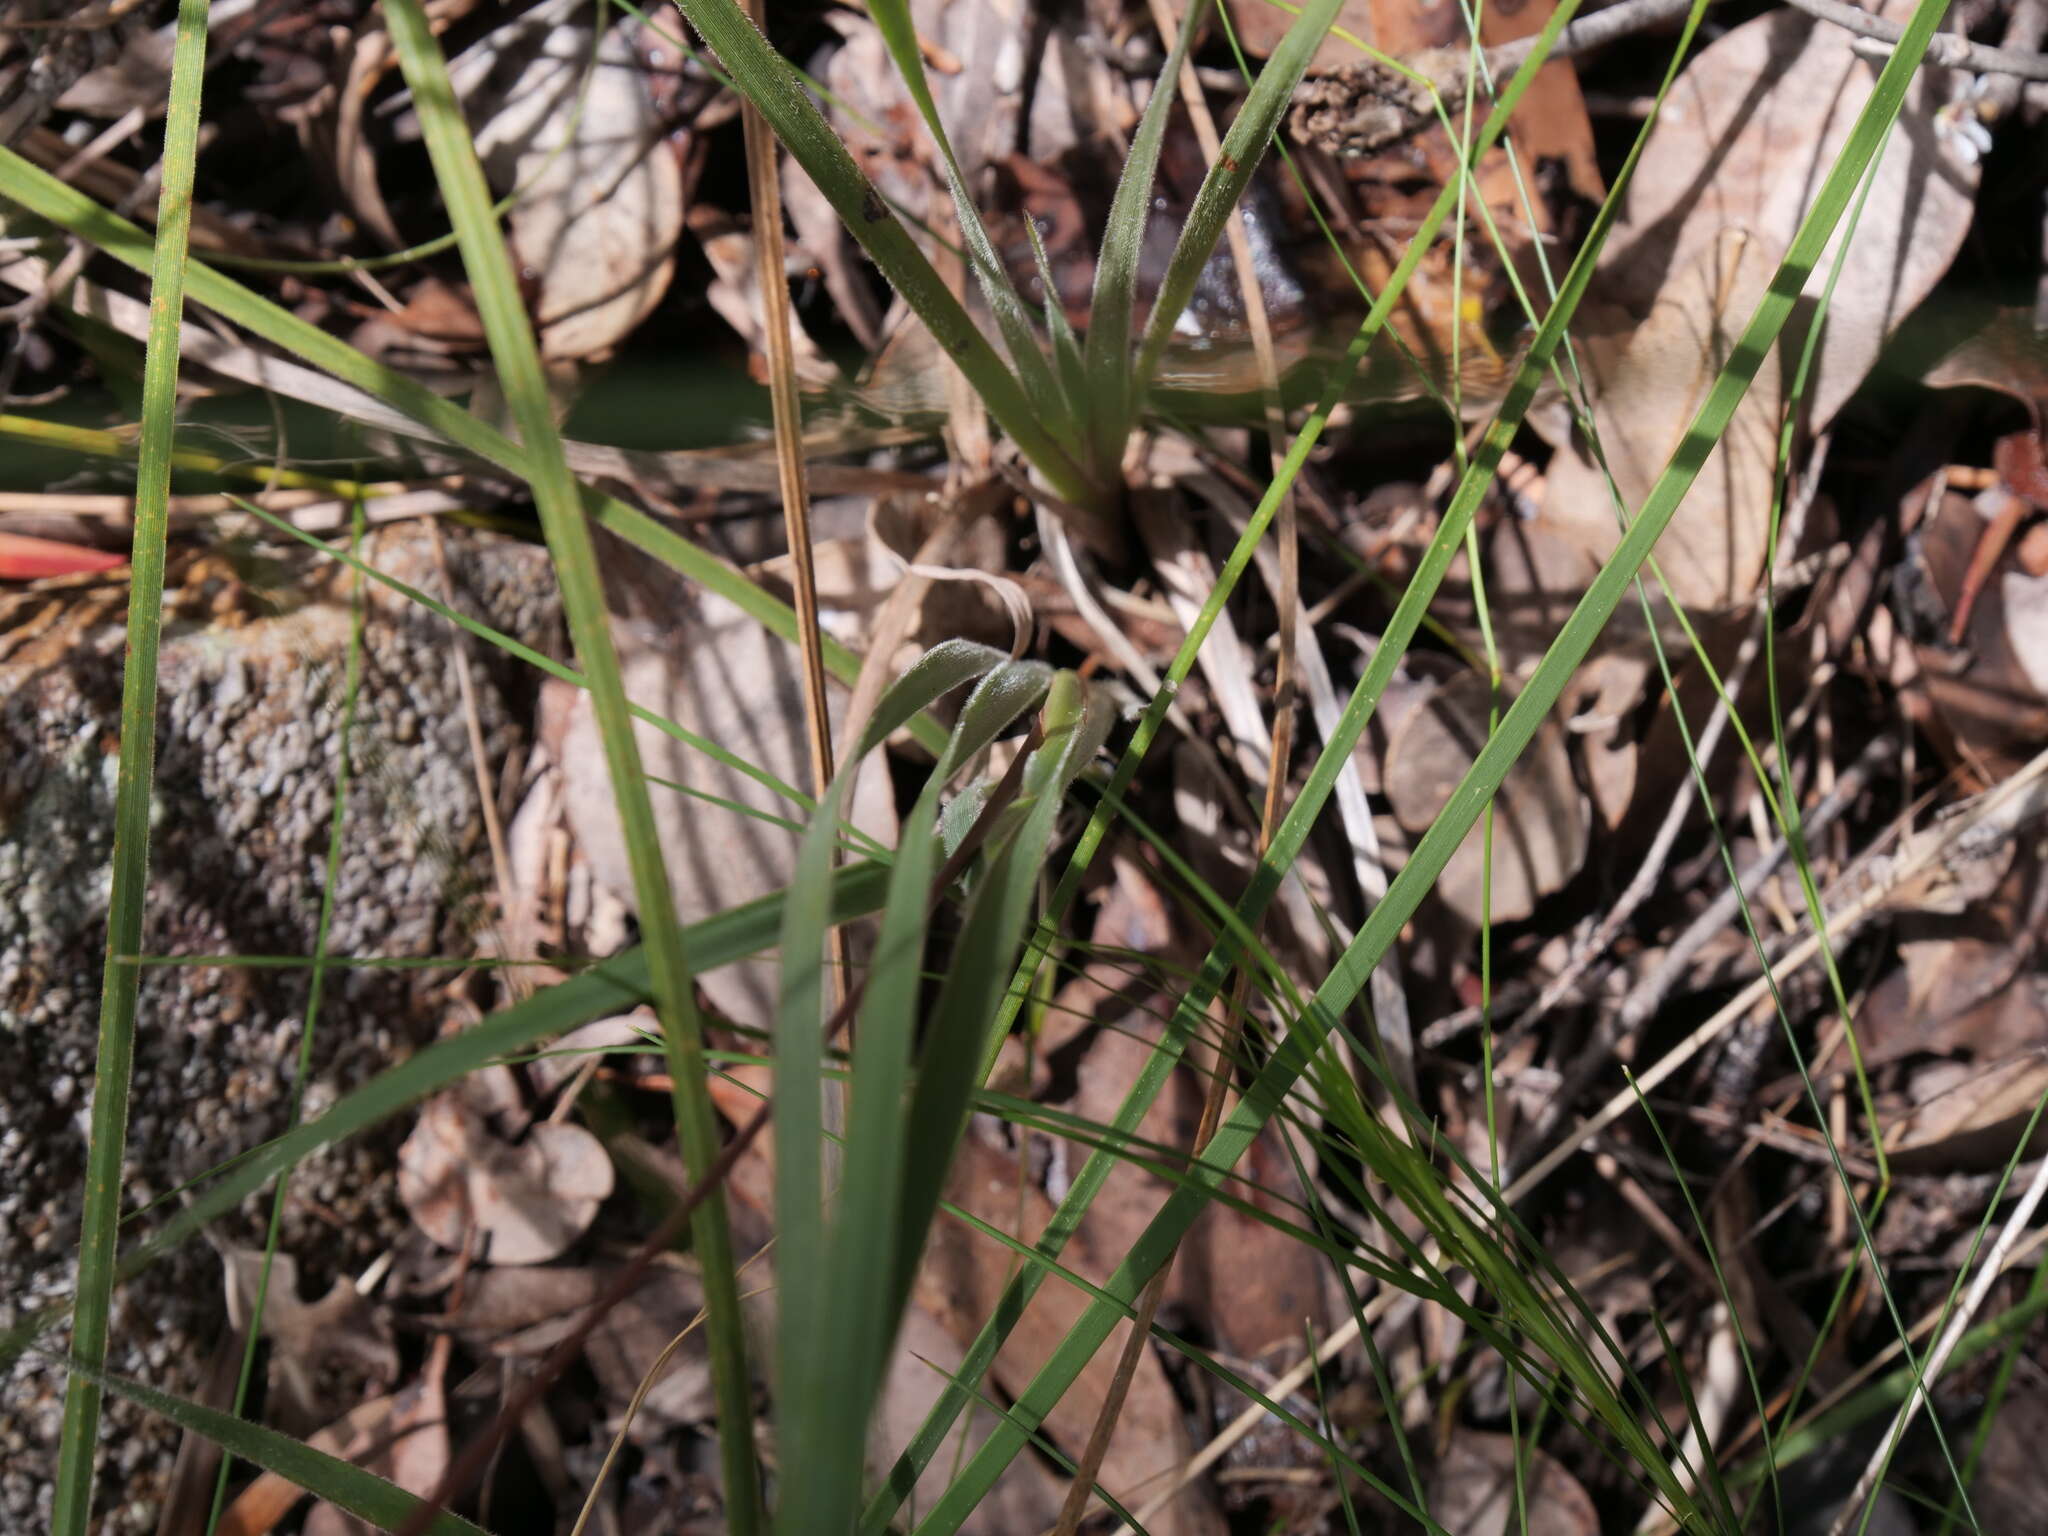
<point>120,985</point>
<point>558,499</point>
<point>1467,801</point>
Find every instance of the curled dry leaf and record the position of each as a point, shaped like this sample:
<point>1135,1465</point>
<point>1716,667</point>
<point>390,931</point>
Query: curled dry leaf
<point>525,1203</point>
<point>601,198</point>
<point>1992,695</point>
<point>2000,348</point>
<point>313,1345</point>
<point>1475,1491</point>
<point>1540,823</point>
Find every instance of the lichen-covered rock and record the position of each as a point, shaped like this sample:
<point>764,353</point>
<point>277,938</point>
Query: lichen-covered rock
<point>252,700</point>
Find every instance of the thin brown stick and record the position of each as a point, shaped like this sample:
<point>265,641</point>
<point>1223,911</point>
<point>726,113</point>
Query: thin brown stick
<point>1589,32</point>
<point>764,185</point>
<point>1947,50</point>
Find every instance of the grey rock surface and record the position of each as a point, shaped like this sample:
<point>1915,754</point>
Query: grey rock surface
<point>252,696</point>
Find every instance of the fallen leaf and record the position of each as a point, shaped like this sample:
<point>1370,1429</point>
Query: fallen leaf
<point>1647,380</point>
<point>23,558</point>
<point>412,1452</point>
<point>2000,349</point>
<point>1965,984</point>
<point>308,1340</point>
<point>1027,1495</point>
<point>1992,694</point>
<point>1254,1288</point>
<point>1475,1491</point>
<point>1967,1116</point>
<point>1540,824</point>
<point>963,1276</point>
<point>260,1507</point>
<point>525,1204</point>
<point>2024,600</point>
<point>2011,1484</point>
<point>713,670</point>
<point>601,199</point>
<point>1745,136</point>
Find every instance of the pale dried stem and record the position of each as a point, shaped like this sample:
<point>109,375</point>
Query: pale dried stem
<point>1958,1325</point>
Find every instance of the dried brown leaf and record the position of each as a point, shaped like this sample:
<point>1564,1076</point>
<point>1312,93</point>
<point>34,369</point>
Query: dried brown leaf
<point>525,1204</point>
<point>1647,380</point>
<point>601,204</point>
<point>1540,824</point>
<point>1475,1492</point>
<point>715,671</point>
<point>1969,1116</point>
<point>1749,129</point>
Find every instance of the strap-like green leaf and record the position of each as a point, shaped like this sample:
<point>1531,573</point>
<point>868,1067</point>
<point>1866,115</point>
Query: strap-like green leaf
<point>362,1493</point>
<point>616,986</point>
<point>837,1316</point>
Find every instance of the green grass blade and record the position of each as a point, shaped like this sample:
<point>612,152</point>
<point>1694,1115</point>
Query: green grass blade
<point>1470,797</point>
<point>361,1493</point>
<point>1076,725</point>
<point>1112,386</point>
<point>1301,816</point>
<point>836,1315</point>
<point>1244,146</point>
<point>613,986</point>
<point>416,407</point>
<point>120,986</point>
<point>774,87</point>
<point>899,35</point>
<point>558,499</point>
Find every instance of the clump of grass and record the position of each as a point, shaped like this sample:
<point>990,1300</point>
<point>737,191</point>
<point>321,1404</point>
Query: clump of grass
<point>922,1053</point>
